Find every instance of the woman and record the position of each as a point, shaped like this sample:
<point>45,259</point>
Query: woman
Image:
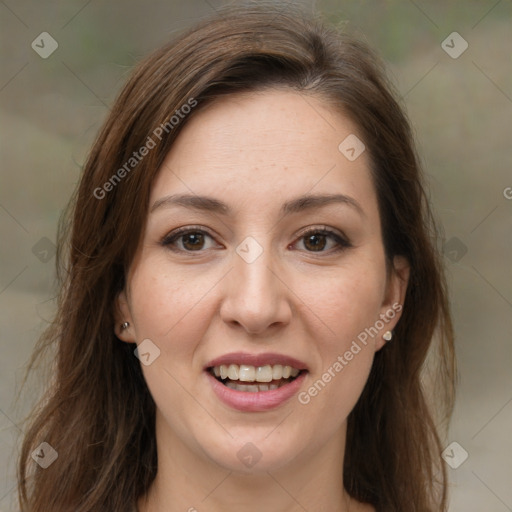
<point>250,290</point>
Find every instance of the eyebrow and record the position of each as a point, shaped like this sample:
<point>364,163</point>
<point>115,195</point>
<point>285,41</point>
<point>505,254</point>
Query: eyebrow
<point>299,204</point>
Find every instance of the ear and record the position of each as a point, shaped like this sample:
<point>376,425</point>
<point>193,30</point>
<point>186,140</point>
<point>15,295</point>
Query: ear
<point>122,314</point>
<point>393,303</point>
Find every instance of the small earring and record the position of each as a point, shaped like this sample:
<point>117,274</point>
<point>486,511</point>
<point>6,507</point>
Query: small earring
<point>387,335</point>
<point>125,325</point>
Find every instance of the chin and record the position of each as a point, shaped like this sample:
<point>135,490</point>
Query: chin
<point>251,454</point>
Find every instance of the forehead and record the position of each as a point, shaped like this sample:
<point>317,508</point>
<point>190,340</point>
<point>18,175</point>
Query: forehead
<point>257,148</point>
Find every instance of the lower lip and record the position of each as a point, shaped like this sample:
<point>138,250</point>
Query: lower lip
<point>258,401</point>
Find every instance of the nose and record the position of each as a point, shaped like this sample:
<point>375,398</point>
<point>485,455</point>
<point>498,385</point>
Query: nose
<point>256,296</point>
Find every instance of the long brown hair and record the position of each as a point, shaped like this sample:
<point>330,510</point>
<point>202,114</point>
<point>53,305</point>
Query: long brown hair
<point>98,413</point>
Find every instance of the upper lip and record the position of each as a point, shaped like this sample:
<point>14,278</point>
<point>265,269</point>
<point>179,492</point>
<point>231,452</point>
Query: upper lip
<point>268,358</point>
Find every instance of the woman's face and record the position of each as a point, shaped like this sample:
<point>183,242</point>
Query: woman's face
<point>262,251</point>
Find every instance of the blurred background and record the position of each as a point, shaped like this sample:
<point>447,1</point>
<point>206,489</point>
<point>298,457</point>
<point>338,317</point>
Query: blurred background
<point>64,62</point>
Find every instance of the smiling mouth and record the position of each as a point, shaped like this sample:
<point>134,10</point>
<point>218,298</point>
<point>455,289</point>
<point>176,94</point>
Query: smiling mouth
<point>254,379</point>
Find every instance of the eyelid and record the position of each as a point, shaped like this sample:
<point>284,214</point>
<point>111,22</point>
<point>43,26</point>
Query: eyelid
<point>340,238</point>
<point>322,228</point>
<point>343,242</point>
<point>176,233</point>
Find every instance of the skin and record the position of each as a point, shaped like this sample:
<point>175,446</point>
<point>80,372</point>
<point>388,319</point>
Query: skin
<point>254,152</point>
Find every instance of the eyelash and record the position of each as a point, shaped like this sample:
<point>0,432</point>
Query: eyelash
<point>171,238</point>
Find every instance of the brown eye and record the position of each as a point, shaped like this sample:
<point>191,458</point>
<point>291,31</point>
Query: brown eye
<point>193,241</point>
<point>315,242</point>
<point>322,240</point>
<point>187,240</point>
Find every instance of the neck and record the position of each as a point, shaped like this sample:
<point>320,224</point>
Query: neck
<point>189,481</point>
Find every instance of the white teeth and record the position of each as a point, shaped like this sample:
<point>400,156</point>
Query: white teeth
<point>233,371</point>
<point>249,373</point>
<point>264,373</point>
<point>277,372</point>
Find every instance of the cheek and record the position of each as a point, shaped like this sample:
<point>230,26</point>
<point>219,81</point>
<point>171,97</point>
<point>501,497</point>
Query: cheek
<point>347,304</point>
<point>346,301</point>
<point>165,303</point>
<point>167,309</point>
